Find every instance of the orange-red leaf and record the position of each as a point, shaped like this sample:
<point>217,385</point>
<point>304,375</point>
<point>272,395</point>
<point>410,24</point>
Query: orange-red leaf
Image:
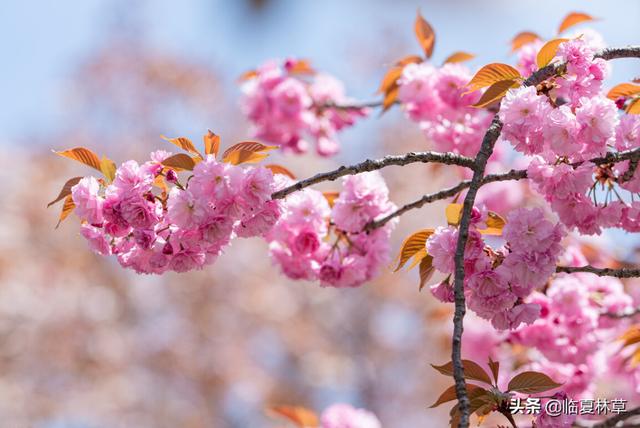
<point>495,224</point>
<point>412,245</point>
<point>425,35</point>
<point>471,371</point>
<point>82,155</point>
<point>426,270</point>
<point>211,143</point>
<point>459,57</point>
<point>279,169</point>
<point>410,59</point>
<point>246,152</point>
<point>108,168</point>
<point>453,212</point>
<point>301,66</point>
<point>572,19</point>
<point>623,90</point>
<point>300,416</point>
<point>634,107</point>
<point>66,190</point>
<point>522,39</point>
<point>548,51</point>
<point>492,73</point>
<point>390,98</point>
<point>180,161</point>
<point>495,368</point>
<point>67,207</point>
<point>530,382</point>
<point>495,92</point>
<point>331,197</point>
<point>184,143</point>
<point>390,78</point>
<point>247,75</point>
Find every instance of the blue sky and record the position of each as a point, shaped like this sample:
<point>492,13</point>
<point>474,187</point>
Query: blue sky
<point>43,40</point>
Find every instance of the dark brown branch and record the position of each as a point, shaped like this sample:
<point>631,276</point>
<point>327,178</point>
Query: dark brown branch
<point>625,314</point>
<point>622,52</point>
<point>486,149</point>
<point>614,420</point>
<point>372,165</point>
<point>354,106</point>
<point>618,273</point>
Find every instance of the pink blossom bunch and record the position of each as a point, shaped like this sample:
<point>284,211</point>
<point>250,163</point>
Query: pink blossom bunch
<point>346,416</point>
<point>572,326</point>
<point>286,109</point>
<point>497,282</point>
<point>313,241</point>
<point>526,57</point>
<point>585,73</point>
<point>437,98</point>
<point>182,230</point>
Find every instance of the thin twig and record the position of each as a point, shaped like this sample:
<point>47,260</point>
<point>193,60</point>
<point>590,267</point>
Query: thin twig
<point>372,165</point>
<point>624,314</point>
<point>614,420</point>
<point>618,273</point>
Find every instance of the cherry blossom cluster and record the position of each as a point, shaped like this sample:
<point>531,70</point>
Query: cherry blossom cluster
<point>183,229</point>
<point>288,110</point>
<point>315,241</point>
<point>436,98</point>
<point>563,125</point>
<point>346,416</point>
<point>498,281</point>
<point>572,327</point>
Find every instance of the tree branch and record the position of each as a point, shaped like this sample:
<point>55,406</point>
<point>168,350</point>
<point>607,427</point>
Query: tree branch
<point>486,149</point>
<point>614,420</point>
<point>618,273</point>
<point>625,314</point>
<point>372,165</point>
<point>631,51</point>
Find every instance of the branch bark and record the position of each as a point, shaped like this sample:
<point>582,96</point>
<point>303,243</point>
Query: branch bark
<point>372,165</point>
<point>614,420</point>
<point>618,273</point>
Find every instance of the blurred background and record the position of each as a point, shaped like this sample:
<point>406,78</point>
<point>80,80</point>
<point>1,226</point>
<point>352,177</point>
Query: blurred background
<point>85,343</point>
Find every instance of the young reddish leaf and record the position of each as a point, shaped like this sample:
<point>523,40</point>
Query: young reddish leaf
<point>495,224</point>
<point>410,59</point>
<point>411,245</point>
<point>634,107</point>
<point>390,79</point>
<point>548,51</point>
<point>66,190</point>
<point>425,34</point>
<point>278,169</point>
<point>301,66</point>
<point>108,168</point>
<point>532,383</point>
<point>636,80</point>
<point>495,92</point>
<point>453,213</point>
<point>492,73</point>
<point>67,207</point>
<point>449,394</point>
<point>82,155</point>
<point>184,143</point>
<point>459,57</point>
<point>572,19</point>
<point>331,197</point>
<point>211,143</point>
<point>631,336</point>
<point>426,270</point>
<point>247,75</point>
<point>390,98</point>
<point>417,258</point>
<point>180,161</point>
<point>623,90</point>
<point>495,369</point>
<point>471,371</point>
<point>160,183</point>
<point>246,152</point>
<point>522,39</point>
<point>300,416</point>
<point>478,398</point>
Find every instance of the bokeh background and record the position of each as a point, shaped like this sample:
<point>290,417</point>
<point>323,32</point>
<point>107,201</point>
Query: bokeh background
<point>85,344</point>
